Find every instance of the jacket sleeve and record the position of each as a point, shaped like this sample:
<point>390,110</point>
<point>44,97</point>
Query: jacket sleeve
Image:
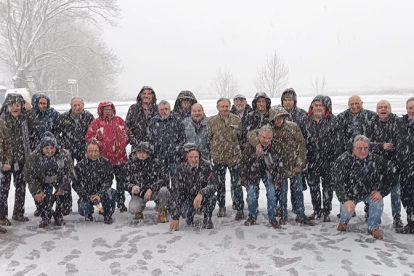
<point>78,181</point>
<point>107,179</point>
<point>91,133</point>
<point>31,174</point>
<point>252,137</point>
<point>211,187</point>
<point>301,147</point>
<point>389,179</point>
<point>338,177</point>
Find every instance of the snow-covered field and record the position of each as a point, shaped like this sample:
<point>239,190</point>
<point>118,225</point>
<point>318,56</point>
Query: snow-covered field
<point>129,247</point>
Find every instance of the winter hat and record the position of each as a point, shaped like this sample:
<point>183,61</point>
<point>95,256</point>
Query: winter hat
<point>239,96</point>
<point>142,146</point>
<point>289,93</point>
<point>48,140</point>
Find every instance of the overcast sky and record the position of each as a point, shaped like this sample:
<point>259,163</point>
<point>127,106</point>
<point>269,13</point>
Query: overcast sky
<point>179,45</point>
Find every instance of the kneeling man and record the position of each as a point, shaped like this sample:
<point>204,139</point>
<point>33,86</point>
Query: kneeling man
<point>92,182</point>
<point>193,187</point>
<point>362,176</point>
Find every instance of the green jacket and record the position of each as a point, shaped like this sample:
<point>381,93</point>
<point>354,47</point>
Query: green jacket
<point>288,140</point>
<point>225,135</point>
<point>35,171</point>
<point>5,148</point>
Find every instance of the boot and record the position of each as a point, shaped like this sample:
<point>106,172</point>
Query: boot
<point>59,222</point>
<point>108,220</point>
<point>222,212</point>
<point>20,218</point>
<point>2,230</point>
<point>122,207</point>
<point>251,220</point>
<point>405,230</point>
<point>44,223</point>
<point>239,215</point>
<point>273,222</point>
<point>326,218</point>
<point>207,223</point>
<point>341,227</point>
<point>375,233</point>
<point>5,222</point>
<point>36,213</point>
<point>303,219</point>
<point>89,217</point>
<point>283,220</point>
<point>139,215</point>
<point>397,223</point>
<point>315,215</point>
<point>162,215</point>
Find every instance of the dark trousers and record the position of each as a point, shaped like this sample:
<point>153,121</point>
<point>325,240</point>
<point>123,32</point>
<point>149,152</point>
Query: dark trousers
<point>187,209</point>
<point>85,206</point>
<point>314,183</point>
<point>45,207</point>
<point>407,199</point>
<point>120,187</point>
<point>220,171</point>
<point>20,194</point>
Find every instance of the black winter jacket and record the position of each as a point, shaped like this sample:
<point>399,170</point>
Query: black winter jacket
<point>93,177</point>
<point>404,152</point>
<point>188,182</point>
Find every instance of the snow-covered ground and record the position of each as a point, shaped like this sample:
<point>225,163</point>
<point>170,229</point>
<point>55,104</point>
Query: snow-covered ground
<point>129,247</point>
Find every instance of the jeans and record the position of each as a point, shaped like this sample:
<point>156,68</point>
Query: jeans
<point>272,198</point>
<point>137,203</point>
<point>375,212</point>
<point>220,171</point>
<point>85,206</point>
<point>296,188</point>
<point>315,191</point>
<point>187,208</point>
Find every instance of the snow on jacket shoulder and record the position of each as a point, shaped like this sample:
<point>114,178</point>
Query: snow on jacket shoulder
<point>112,135</point>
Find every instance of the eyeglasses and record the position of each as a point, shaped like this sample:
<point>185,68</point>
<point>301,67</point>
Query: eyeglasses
<point>362,148</point>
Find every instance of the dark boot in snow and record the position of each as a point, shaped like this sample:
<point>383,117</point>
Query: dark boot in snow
<point>405,230</point>
<point>2,230</point>
<point>283,220</point>
<point>207,223</point>
<point>222,212</point>
<point>44,223</point>
<point>326,218</point>
<point>122,207</point>
<point>5,222</point>
<point>36,213</point>
<point>397,223</point>
<point>89,217</point>
<point>20,218</point>
<point>315,215</point>
<point>251,220</point>
<point>303,219</point>
<point>139,215</point>
<point>273,222</point>
<point>239,215</point>
<point>59,222</point>
<point>108,220</point>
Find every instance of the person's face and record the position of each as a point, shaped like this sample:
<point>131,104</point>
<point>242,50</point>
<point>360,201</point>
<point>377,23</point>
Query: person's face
<point>49,151</point>
<point>42,104</point>
<point>279,121</point>
<point>146,97</point>
<point>193,158</point>
<point>261,105</point>
<point>410,110</point>
<point>164,110</point>
<point>92,152</point>
<point>318,109</point>
<point>265,138</point>
<point>384,110</point>
<point>240,104</point>
<point>361,150</point>
<point>288,103</point>
<point>185,105</point>
<point>77,106</point>
<point>197,113</point>
<point>223,108</point>
<point>355,104</point>
<point>15,109</point>
<point>142,155</point>
<point>107,111</point>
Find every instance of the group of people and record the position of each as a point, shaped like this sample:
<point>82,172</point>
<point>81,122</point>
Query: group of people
<point>179,159</point>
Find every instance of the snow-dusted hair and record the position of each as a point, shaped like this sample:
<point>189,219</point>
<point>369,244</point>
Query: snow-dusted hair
<point>360,138</point>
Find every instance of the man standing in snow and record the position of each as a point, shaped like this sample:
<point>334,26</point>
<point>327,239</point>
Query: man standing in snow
<point>224,134</point>
<point>362,176</point>
<point>196,130</point>
<point>193,187</point>
<point>92,182</point>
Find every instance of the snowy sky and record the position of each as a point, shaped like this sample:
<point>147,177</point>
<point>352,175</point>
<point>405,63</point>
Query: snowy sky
<point>177,45</point>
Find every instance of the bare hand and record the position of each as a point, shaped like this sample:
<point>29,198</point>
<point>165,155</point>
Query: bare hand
<point>173,225</point>
<point>259,150</point>
<point>297,169</point>
<point>93,197</point>
<point>349,206</point>
<point>376,196</point>
<point>135,189</point>
<point>39,197</point>
<point>6,167</point>
<point>197,201</point>
<point>148,194</point>
<point>388,146</point>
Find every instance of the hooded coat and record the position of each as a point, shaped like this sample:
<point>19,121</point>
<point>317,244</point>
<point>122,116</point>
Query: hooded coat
<point>150,173</point>
<point>382,132</point>
<point>197,133</point>
<point>355,179</point>
<point>93,177</point>
<point>247,109</point>
<point>112,135</point>
<point>297,115</point>
<point>323,140</point>
<point>288,143</point>
<point>254,120</point>
<point>36,167</point>
<point>46,118</point>
<point>189,181</point>
<point>184,95</point>
<point>70,132</point>
<point>167,136</point>
<point>137,121</point>
<point>345,120</point>
<point>24,130</point>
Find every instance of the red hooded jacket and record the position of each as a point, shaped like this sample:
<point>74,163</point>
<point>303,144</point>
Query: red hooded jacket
<point>112,135</point>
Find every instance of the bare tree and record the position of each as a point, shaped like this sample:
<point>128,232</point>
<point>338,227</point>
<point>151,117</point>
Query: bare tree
<point>51,41</point>
<point>272,76</point>
<point>224,84</point>
<point>319,86</point>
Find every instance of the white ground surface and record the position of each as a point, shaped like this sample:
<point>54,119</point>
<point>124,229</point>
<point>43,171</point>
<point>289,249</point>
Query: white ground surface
<point>129,247</point>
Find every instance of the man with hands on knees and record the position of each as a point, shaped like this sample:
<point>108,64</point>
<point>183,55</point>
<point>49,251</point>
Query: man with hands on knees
<point>362,176</point>
<point>193,187</point>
